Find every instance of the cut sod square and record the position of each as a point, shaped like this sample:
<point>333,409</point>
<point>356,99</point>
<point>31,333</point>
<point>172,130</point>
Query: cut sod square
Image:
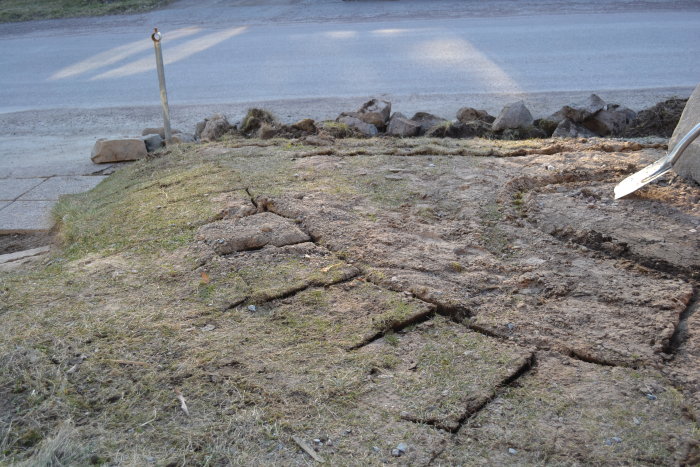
<point>569,412</point>
<point>440,372</point>
<point>277,272</point>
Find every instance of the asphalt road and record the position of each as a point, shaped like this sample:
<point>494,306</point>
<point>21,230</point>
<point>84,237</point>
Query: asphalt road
<point>233,61</point>
<point>64,83</point>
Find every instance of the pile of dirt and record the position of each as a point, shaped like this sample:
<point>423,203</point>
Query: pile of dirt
<point>659,120</point>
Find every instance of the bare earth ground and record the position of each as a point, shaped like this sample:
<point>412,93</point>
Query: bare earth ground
<point>480,302</point>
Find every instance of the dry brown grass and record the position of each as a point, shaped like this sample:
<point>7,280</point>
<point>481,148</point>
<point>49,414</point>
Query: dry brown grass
<point>98,340</point>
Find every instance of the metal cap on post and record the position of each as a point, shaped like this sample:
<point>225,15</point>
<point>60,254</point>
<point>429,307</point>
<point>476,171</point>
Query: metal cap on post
<point>156,37</point>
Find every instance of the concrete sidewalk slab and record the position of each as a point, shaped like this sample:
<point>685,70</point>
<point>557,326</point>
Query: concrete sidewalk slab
<point>4,204</point>
<point>50,169</point>
<point>24,254</point>
<point>54,187</point>
<point>26,216</point>
<point>13,188</point>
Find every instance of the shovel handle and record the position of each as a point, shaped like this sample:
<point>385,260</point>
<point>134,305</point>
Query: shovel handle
<point>683,144</point>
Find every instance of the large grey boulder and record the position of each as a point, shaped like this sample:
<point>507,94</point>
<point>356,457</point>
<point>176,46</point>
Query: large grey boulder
<point>570,129</point>
<point>688,166</point>
<point>580,111</point>
<point>547,125</point>
<point>470,114</point>
<point>306,125</point>
<point>515,115</point>
<point>375,112</point>
<point>475,128</point>
<point>107,151</point>
<point>401,126</point>
<point>365,128</point>
<point>427,121</point>
<point>153,142</point>
<point>612,120</point>
<point>269,131</point>
<point>214,128</point>
<point>199,128</point>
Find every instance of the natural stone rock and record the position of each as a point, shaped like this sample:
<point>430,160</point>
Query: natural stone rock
<point>401,126</point>
<point>199,128</point>
<point>181,138</point>
<point>688,166</point>
<point>580,111</point>
<point>251,233</point>
<point>469,114</point>
<point>306,125</point>
<point>20,255</point>
<point>459,130</point>
<point>216,126</point>
<point>439,130</point>
<point>375,112</point>
<point>569,129</point>
<point>515,115</point>
<point>364,128</point>
<point>659,120</point>
<point>254,120</point>
<point>547,125</point>
<point>427,121</point>
<point>159,131</point>
<point>612,120</point>
<point>118,150</point>
<point>268,131</point>
<point>153,142</point>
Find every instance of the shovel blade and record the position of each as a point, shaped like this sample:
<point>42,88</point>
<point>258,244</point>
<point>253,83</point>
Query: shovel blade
<point>647,175</point>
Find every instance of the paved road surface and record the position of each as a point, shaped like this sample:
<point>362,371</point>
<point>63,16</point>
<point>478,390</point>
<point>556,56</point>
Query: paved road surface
<point>65,83</point>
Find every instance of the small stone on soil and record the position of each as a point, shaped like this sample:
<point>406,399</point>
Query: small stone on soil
<point>613,440</point>
<point>651,397</point>
<point>512,451</point>
<point>252,308</point>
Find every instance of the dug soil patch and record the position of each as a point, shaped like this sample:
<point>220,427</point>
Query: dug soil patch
<point>411,302</point>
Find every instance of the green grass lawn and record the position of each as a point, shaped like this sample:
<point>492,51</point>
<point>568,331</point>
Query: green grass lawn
<point>25,10</point>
